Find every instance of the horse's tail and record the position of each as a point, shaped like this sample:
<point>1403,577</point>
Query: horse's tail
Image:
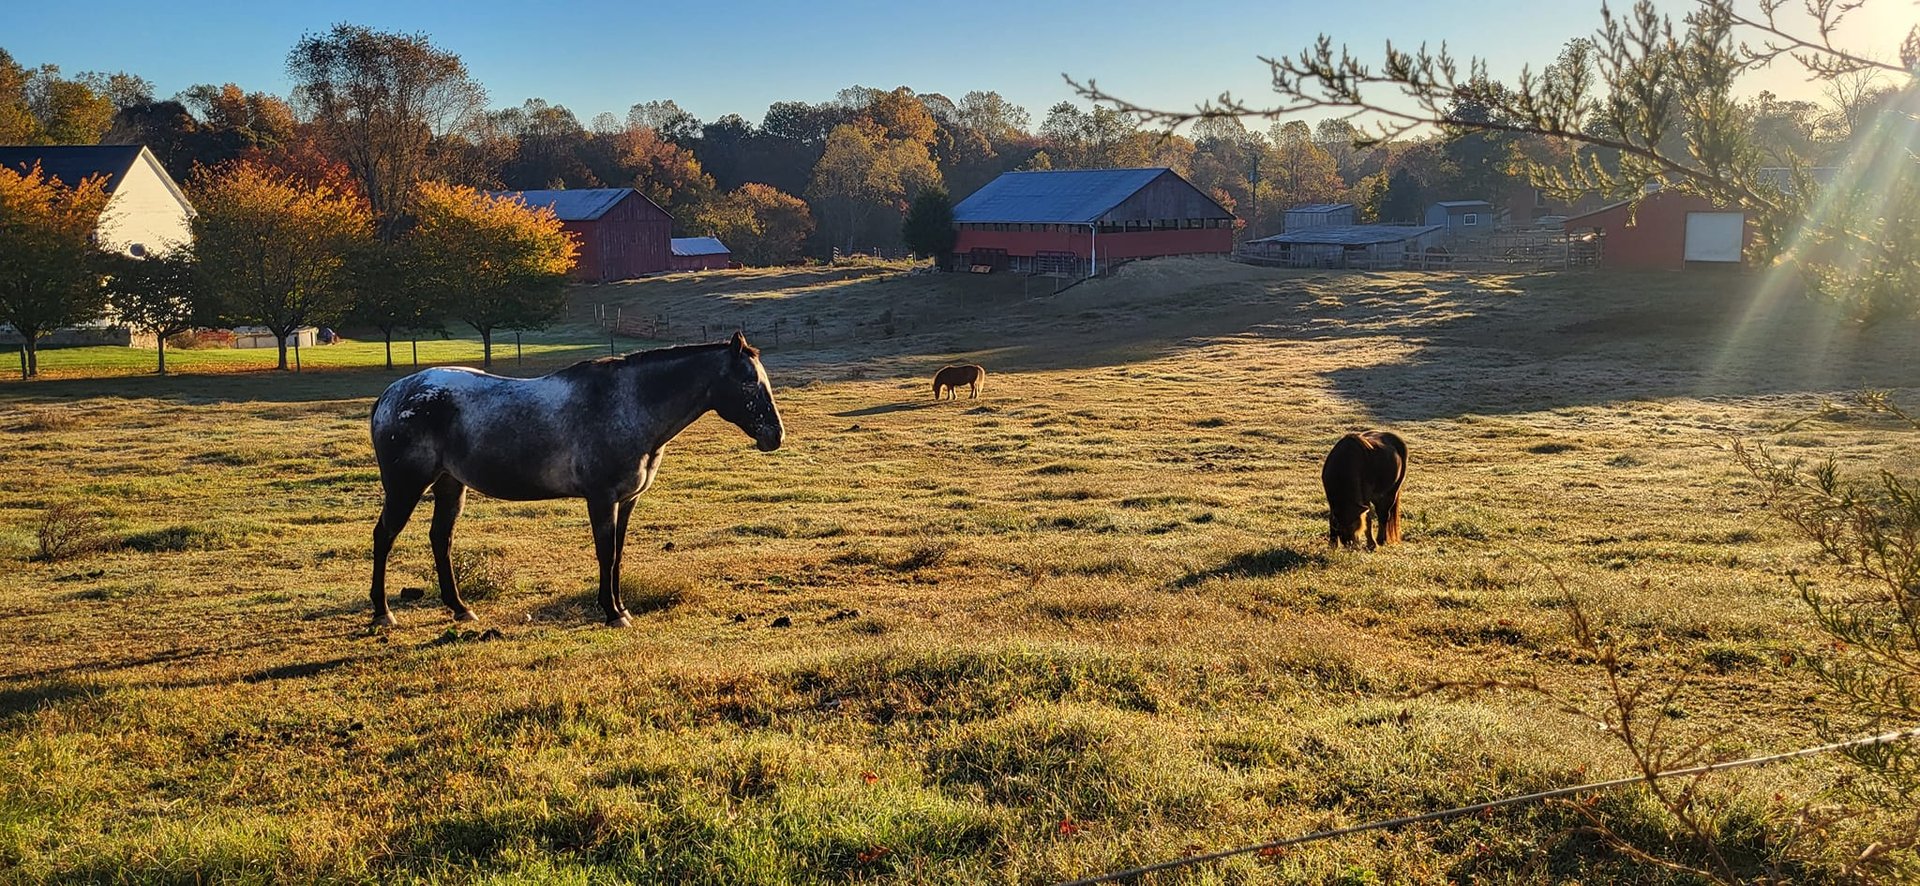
<point>1392,516</point>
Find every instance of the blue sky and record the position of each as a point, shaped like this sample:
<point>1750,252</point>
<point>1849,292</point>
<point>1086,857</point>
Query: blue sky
<point>718,58</point>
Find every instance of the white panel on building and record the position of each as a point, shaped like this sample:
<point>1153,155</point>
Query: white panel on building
<point>1714,236</point>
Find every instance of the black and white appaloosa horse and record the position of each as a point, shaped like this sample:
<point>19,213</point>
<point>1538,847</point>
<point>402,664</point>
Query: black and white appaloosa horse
<point>595,430</point>
<point>1362,476</point>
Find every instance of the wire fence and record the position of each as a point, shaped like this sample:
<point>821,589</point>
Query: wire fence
<point>1519,800</point>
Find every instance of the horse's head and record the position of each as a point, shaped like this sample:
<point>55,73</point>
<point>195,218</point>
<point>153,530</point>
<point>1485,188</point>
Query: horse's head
<point>743,396</point>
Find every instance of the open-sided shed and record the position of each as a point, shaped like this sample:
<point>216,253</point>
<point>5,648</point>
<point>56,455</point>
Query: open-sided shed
<point>1347,246</point>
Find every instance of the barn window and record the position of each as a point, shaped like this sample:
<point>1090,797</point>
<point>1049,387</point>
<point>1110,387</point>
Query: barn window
<point>1470,219</point>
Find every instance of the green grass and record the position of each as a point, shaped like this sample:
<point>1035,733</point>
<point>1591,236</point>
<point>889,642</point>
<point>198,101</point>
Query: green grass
<point>1086,622</point>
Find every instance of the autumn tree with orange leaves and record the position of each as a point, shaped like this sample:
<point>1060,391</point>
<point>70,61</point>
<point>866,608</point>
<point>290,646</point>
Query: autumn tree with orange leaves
<point>489,261</point>
<point>271,250</point>
<point>47,272</point>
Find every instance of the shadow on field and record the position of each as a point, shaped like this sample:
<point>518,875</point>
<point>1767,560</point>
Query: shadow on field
<point>884,409</point>
<point>300,670</point>
<point>1252,564</point>
<point>43,694</point>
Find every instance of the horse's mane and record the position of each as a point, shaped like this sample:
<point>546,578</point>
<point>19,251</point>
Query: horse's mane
<point>655,355</point>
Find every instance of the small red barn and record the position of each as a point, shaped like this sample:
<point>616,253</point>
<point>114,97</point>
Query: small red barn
<point>621,234</point>
<point>1080,220</point>
<point>1668,231</point>
<point>699,254</point>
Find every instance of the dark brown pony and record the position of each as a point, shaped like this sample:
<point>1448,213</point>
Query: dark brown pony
<point>1362,477</point>
<point>950,379</point>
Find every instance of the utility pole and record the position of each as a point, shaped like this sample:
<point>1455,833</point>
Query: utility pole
<point>1253,194</point>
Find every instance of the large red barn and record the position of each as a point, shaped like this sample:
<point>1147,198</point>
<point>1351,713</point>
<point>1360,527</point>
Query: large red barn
<point>1667,230</point>
<point>1080,220</point>
<point>620,233</point>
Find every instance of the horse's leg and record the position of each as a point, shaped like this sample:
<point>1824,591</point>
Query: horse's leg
<point>395,509</point>
<point>973,391</point>
<point>1367,528</point>
<point>601,513</point>
<point>449,497</point>
<point>624,511</point>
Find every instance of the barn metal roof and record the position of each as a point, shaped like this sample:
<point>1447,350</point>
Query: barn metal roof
<point>572,204</point>
<point>1351,235</point>
<point>686,246</point>
<point>1055,196</point>
<point>1321,207</point>
<point>72,164</point>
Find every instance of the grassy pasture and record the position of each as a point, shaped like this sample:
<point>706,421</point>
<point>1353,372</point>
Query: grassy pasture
<point>1084,622</point>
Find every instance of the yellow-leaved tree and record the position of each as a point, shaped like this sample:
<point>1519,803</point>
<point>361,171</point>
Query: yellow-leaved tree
<point>47,273</point>
<point>489,261</point>
<point>272,251</point>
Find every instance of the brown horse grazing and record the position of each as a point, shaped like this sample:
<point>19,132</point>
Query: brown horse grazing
<point>951,378</point>
<point>1362,477</point>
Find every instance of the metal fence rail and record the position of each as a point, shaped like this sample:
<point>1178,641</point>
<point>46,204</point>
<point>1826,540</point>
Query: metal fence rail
<point>1191,860</point>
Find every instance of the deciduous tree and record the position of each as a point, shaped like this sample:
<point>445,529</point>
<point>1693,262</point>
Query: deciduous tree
<point>759,223</point>
<point>382,102</point>
<point>864,176</point>
<point>67,112</point>
<point>491,262</point>
<point>47,273</point>
<point>155,295</point>
<point>272,251</point>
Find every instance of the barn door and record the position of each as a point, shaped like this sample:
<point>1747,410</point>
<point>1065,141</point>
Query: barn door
<point>1714,236</point>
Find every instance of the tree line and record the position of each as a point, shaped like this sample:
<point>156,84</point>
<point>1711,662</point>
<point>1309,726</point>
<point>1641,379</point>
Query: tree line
<point>270,248</point>
<point>810,176</point>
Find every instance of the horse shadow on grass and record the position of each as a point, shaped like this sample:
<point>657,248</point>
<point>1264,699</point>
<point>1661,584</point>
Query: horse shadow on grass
<point>1252,564</point>
<point>883,409</point>
<point>43,694</point>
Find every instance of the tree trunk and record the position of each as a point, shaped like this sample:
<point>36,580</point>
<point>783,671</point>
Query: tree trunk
<point>486,348</point>
<point>160,349</point>
<point>281,342</point>
<point>388,332</point>
<point>30,344</point>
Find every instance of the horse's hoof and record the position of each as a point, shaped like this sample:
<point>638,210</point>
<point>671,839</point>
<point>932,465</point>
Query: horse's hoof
<point>620,621</point>
<point>384,620</point>
<point>465,615</point>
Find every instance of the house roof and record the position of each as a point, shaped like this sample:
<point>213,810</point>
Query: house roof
<point>1321,207</point>
<point>1351,235</point>
<point>1056,196</point>
<point>1460,204</point>
<point>685,246</point>
<point>72,164</point>
<point>573,204</point>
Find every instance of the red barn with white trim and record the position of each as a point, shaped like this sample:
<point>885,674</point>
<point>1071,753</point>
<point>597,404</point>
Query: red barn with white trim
<point>1667,231</point>
<point>1082,219</point>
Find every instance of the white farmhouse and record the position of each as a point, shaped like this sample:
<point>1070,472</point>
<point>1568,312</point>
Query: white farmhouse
<point>146,214</point>
<point>146,211</point>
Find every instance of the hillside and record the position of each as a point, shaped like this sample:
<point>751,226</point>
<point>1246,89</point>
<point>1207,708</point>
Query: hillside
<point>1086,621</point>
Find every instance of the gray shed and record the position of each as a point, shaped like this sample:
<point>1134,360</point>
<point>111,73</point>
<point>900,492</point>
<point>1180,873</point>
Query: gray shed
<point>1462,217</point>
<point>1319,215</point>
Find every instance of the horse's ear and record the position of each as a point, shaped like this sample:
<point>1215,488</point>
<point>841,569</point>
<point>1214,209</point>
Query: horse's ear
<point>739,342</point>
